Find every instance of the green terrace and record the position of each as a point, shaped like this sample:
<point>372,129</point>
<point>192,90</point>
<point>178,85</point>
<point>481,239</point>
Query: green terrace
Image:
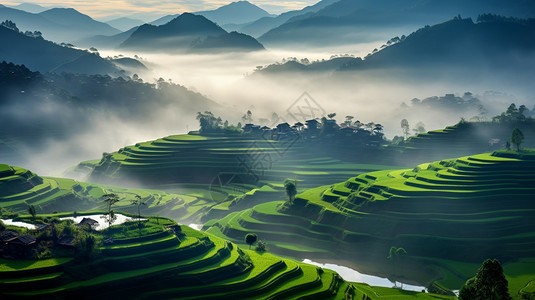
<point>434,211</point>
<point>20,188</point>
<point>465,138</point>
<point>198,159</point>
<point>166,260</point>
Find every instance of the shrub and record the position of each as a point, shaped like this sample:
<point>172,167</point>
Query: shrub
<point>261,246</point>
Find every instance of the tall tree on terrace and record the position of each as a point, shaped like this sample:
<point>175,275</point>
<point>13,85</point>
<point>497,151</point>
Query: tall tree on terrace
<point>290,187</point>
<point>517,138</point>
<point>32,211</point>
<point>488,284</point>
<point>405,127</point>
<point>250,239</point>
<point>110,199</point>
<point>138,202</point>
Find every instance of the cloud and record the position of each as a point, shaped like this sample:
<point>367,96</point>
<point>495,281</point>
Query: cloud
<point>151,8</point>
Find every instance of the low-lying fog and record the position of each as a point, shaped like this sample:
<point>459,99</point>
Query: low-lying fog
<point>371,96</point>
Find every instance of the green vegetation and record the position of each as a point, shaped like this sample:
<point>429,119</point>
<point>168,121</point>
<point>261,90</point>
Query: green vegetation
<point>434,212</point>
<point>250,239</point>
<point>464,138</point>
<point>517,138</point>
<point>21,190</point>
<point>489,283</point>
<point>159,264</point>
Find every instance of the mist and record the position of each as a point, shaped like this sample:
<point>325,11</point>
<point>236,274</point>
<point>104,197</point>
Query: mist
<point>230,80</point>
<point>369,95</point>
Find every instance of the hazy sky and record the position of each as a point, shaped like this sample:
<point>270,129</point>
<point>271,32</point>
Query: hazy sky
<point>149,8</point>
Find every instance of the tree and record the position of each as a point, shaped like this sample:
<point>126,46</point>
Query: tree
<point>250,239</point>
<point>405,127</point>
<point>517,138</point>
<point>9,24</point>
<point>32,211</point>
<point>261,246</point>
<point>489,283</point>
<point>420,127</point>
<point>331,115</point>
<point>349,120</point>
<point>138,202</point>
<point>290,187</point>
<point>110,199</point>
<point>248,117</point>
<point>208,122</point>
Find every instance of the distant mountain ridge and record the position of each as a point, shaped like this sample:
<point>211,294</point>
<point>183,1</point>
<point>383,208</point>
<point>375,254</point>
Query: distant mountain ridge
<point>346,17</point>
<point>239,12</point>
<point>30,7</point>
<point>187,32</point>
<point>44,56</point>
<point>263,25</point>
<point>106,41</point>
<point>492,42</point>
<point>124,23</point>
<point>57,24</point>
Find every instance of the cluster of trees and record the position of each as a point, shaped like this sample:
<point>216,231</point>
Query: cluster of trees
<point>514,114</point>
<point>488,284</point>
<point>252,238</point>
<point>405,127</point>
<point>209,123</point>
<point>54,238</point>
<point>365,133</point>
<point>497,18</point>
<point>11,25</point>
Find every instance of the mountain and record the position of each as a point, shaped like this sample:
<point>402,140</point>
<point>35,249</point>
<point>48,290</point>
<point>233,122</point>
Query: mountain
<point>106,41</point>
<point>75,20</point>
<point>239,12</point>
<point>124,23</point>
<point>30,7</point>
<point>164,20</point>
<point>346,18</point>
<point>263,25</point>
<point>492,42</point>
<point>44,56</point>
<point>232,41</point>
<point>187,32</point>
<point>57,24</point>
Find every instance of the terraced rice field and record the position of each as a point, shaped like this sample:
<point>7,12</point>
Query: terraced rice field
<point>463,139</point>
<point>191,265</point>
<point>20,188</point>
<point>201,159</point>
<point>435,211</point>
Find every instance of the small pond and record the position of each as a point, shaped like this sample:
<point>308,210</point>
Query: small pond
<point>18,223</point>
<point>100,218</point>
<point>196,226</point>
<point>102,224</point>
<point>349,274</point>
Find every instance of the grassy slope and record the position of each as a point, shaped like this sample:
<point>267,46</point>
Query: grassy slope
<point>20,188</point>
<point>196,265</point>
<point>437,210</point>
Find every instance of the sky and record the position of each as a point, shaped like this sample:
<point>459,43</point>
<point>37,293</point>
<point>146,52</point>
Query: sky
<point>147,10</point>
